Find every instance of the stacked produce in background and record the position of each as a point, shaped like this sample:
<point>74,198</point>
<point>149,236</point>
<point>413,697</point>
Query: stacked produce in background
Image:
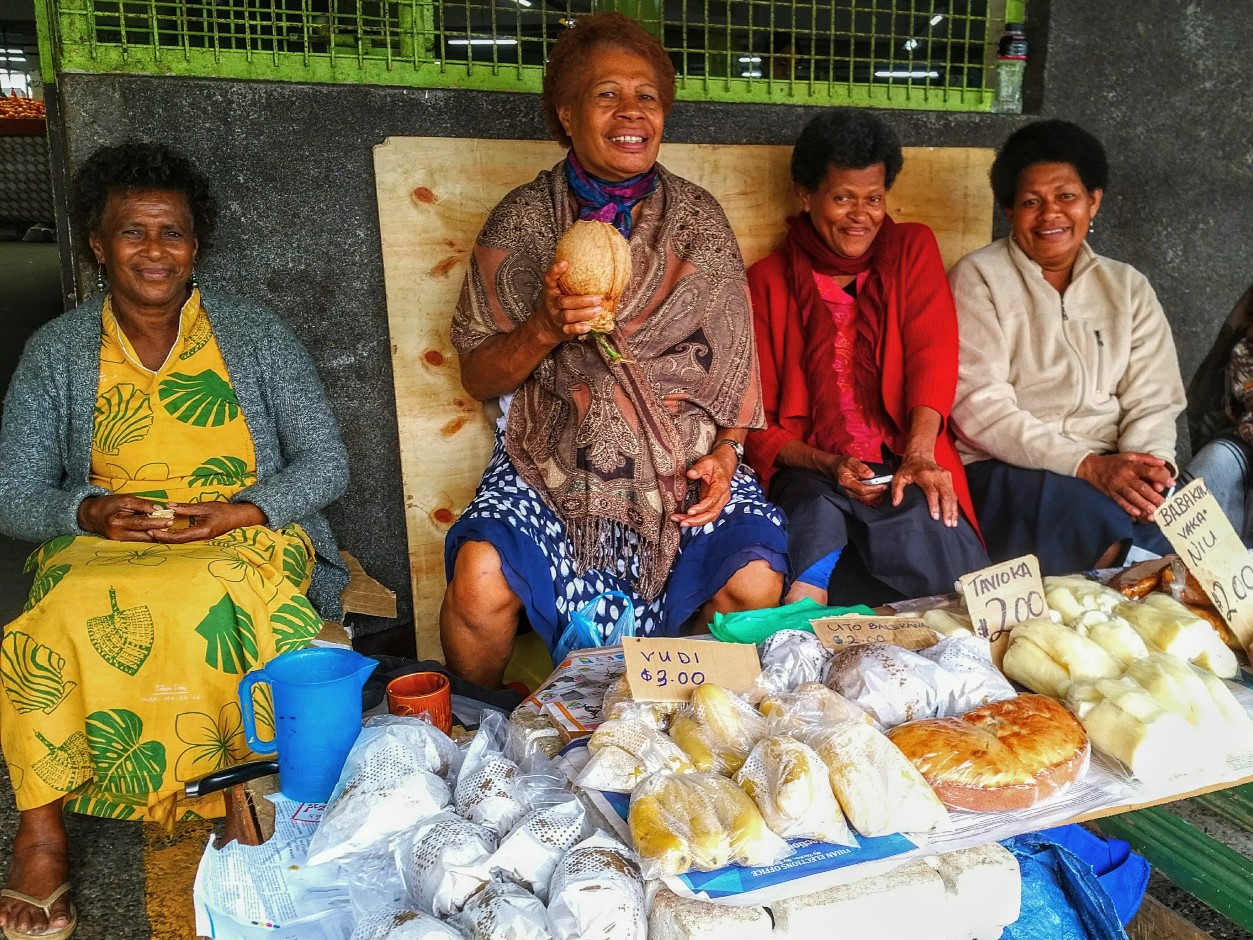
<point>16,108</point>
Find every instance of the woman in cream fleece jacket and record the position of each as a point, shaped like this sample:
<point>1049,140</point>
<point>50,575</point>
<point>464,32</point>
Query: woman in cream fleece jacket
<point>1069,386</point>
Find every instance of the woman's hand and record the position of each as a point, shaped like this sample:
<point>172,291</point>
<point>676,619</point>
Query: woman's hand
<point>562,317</point>
<point>849,473</point>
<point>1135,481</point>
<point>120,518</point>
<point>715,471</point>
<point>936,483</point>
<point>209,520</point>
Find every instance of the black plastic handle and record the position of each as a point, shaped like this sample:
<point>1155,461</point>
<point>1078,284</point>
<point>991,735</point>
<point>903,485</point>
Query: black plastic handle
<point>221,779</point>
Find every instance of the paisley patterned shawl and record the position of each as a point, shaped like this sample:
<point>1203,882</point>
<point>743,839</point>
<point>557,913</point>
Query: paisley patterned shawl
<point>609,445</point>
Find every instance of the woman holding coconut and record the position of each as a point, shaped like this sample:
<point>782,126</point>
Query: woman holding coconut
<point>617,463</point>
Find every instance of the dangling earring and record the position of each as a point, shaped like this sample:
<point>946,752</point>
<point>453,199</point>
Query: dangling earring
<point>192,281</point>
<point>100,284</point>
<point>1091,225</point>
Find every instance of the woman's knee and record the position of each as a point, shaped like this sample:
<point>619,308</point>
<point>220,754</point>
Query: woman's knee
<point>479,590</point>
<point>754,586</point>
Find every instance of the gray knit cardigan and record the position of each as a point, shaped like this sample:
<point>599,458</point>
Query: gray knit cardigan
<point>302,465</point>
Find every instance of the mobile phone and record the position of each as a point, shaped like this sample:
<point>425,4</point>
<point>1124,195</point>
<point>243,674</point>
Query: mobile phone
<point>878,481</point>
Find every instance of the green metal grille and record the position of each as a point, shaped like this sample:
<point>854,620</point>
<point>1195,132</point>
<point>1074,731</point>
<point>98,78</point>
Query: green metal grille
<point>934,54</point>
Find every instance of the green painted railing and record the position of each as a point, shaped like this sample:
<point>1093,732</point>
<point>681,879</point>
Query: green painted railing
<point>929,54</point>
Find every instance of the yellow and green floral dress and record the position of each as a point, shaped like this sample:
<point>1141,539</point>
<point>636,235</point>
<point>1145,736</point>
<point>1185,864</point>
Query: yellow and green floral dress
<point>120,676</point>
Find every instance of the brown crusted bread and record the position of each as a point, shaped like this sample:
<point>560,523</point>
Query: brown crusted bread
<point>1138,580</point>
<point>1004,756</point>
<point>1193,595</point>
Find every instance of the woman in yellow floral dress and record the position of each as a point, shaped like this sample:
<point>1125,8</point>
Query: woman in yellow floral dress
<point>172,451</point>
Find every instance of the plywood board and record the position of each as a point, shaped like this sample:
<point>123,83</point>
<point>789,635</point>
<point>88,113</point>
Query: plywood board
<point>433,195</point>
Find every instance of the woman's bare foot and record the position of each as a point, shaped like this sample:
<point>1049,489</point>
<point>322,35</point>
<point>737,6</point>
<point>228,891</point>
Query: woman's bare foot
<point>40,865</point>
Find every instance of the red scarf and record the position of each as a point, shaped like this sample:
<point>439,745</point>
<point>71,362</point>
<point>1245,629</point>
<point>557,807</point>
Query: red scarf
<point>806,253</point>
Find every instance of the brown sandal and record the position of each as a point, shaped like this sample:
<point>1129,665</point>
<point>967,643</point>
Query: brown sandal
<point>45,905</point>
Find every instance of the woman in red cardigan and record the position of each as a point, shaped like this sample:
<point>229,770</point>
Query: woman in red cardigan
<point>857,338</point>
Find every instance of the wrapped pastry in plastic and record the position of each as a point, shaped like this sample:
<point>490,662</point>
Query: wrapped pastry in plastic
<point>489,788</point>
<point>717,729</point>
<point>700,820</point>
<point>1047,657</point>
<point>880,791</point>
<point>597,893</point>
<point>792,788</point>
<point>967,678</point>
<point>893,685</point>
<point>535,732</point>
<point>625,752</point>
<point>810,703</point>
<point>619,703</point>
<point>1170,627</point>
<point>529,854</point>
<point>502,911</point>
<point>404,925</point>
<point>799,653</point>
<point>443,862</point>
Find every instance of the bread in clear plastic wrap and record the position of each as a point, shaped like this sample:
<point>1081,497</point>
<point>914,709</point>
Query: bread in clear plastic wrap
<point>967,677</point>
<point>717,729</point>
<point>880,791</point>
<point>489,788</point>
<point>791,787</point>
<point>1004,756</point>
<point>443,861</point>
<point>529,854</point>
<point>799,653</point>
<point>392,779</point>
<point>698,821</point>
<point>1047,657</point>
<point>535,732</point>
<point>619,703</point>
<point>625,752</point>
<point>502,911</point>
<point>597,893</point>
<point>891,684</point>
<point>403,925</point>
<point>810,703</point>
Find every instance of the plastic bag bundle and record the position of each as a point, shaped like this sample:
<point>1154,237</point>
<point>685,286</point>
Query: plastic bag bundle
<point>625,752</point>
<point>792,788</point>
<point>597,893</point>
<point>620,704</point>
<point>488,790</point>
<point>967,678</point>
<point>529,854</point>
<point>444,861</point>
<point>893,685</point>
<point>403,925</point>
<point>602,621</point>
<point>801,656</point>
<point>701,821</point>
<point>717,729</point>
<point>812,703</point>
<point>502,912</point>
<point>880,791</point>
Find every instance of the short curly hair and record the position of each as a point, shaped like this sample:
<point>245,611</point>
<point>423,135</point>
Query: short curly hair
<point>1051,141</point>
<point>572,54</point>
<point>136,165</point>
<point>847,138</point>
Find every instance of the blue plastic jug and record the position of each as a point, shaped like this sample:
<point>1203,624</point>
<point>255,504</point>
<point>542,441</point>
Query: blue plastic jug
<point>317,716</point>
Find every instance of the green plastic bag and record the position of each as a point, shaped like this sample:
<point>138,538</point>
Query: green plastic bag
<point>754,626</point>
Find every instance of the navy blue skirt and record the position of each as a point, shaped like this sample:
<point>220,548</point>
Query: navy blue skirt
<point>538,559</point>
<point>1064,521</point>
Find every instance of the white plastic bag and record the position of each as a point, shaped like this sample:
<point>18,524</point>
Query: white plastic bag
<point>967,678</point>
<point>893,685</point>
<point>597,893</point>
<point>801,655</point>
<point>625,752</point>
<point>443,862</point>
<point>792,788</point>
<point>403,925</point>
<point>502,911</point>
<point>529,854</point>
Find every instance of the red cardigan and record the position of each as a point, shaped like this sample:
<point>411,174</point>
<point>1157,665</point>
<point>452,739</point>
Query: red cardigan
<point>917,354</point>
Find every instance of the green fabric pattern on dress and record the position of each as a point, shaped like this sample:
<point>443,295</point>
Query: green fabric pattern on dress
<point>161,495</point>
<point>123,638</point>
<point>123,416</point>
<point>148,557</point>
<point>296,565</point>
<point>295,623</point>
<point>214,742</point>
<point>231,640</point>
<point>32,674</point>
<point>90,800</point>
<point>66,766</point>
<point>124,763</point>
<point>221,471</point>
<point>48,579</point>
<point>45,551</point>
<point>202,400</point>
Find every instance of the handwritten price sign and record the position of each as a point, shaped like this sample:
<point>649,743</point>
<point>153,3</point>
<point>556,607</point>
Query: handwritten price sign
<point>1003,595</point>
<point>1198,530</point>
<point>667,670</point>
<point>836,633</point>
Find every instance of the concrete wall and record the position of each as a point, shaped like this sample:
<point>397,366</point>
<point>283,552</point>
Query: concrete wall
<point>293,168</point>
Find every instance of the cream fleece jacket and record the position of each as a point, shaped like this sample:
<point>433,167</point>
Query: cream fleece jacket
<point>1046,379</point>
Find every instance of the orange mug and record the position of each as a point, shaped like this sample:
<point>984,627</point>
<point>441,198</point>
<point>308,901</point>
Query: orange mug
<point>419,693</point>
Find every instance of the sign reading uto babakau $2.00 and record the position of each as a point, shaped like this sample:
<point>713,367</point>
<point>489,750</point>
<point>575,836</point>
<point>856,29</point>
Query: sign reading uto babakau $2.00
<point>1200,532</point>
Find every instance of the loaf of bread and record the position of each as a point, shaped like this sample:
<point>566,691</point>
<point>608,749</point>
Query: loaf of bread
<point>1004,756</point>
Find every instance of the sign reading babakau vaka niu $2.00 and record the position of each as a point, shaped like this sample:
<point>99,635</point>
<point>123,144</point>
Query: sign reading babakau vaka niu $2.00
<point>1200,532</point>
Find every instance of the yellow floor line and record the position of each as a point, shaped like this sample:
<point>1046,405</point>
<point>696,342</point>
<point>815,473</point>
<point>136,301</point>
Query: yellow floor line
<point>169,870</point>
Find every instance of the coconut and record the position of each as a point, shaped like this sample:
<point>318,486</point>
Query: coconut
<point>599,261</point>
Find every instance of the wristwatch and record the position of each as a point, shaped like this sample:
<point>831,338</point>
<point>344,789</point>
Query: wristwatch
<point>734,445</point>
